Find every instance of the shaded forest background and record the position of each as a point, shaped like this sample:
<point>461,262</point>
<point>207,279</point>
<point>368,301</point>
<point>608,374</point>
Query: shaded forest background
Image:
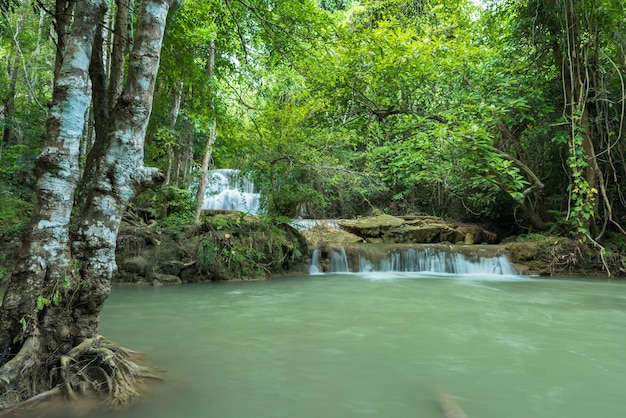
<point>509,113</point>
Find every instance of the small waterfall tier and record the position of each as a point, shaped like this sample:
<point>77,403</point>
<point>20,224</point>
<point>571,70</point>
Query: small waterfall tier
<point>445,259</point>
<point>304,224</point>
<point>228,190</point>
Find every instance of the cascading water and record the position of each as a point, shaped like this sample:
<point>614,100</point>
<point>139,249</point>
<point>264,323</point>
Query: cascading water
<point>422,259</point>
<point>227,190</point>
<point>339,262</point>
<point>314,268</point>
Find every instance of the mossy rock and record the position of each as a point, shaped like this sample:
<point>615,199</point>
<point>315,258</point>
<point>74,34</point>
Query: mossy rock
<point>224,247</point>
<point>324,233</point>
<point>371,227</point>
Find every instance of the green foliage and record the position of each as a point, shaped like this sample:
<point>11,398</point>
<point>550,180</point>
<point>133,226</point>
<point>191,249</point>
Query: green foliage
<point>180,206</point>
<point>338,108</point>
<point>531,237</point>
<point>14,215</point>
<point>246,247</point>
<point>582,195</point>
<point>16,175</point>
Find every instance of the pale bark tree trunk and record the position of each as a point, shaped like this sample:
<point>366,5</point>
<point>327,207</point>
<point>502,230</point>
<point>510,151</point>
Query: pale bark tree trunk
<point>120,175</point>
<point>45,256</point>
<point>208,146</point>
<point>50,311</point>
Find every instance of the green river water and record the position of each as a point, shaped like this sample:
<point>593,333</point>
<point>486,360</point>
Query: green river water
<point>378,345</point>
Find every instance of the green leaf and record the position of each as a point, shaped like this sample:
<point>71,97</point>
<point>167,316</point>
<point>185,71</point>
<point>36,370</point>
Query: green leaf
<point>42,303</point>
<point>56,298</point>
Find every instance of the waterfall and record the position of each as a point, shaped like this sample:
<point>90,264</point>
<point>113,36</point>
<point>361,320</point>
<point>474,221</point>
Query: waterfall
<point>420,259</point>
<point>314,268</point>
<point>304,224</point>
<point>339,262</point>
<point>227,190</point>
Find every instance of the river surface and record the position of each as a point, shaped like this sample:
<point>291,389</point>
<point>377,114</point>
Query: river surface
<point>378,345</point>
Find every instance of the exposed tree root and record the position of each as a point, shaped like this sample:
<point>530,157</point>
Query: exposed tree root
<point>94,368</point>
<point>24,360</point>
<point>99,366</point>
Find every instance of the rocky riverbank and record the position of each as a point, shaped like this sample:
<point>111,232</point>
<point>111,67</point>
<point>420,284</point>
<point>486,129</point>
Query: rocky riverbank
<point>533,255</point>
<point>237,247</point>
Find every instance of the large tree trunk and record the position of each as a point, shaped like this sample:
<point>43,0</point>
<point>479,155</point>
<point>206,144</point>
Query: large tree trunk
<point>45,256</point>
<point>62,21</point>
<point>50,312</point>
<point>120,175</point>
<point>105,93</point>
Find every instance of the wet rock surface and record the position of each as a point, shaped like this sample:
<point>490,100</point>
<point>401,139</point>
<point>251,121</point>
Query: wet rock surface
<point>416,229</point>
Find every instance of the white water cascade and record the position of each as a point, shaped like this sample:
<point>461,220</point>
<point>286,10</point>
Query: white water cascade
<point>422,259</point>
<point>227,190</point>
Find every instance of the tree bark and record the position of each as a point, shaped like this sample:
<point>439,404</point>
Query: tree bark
<point>121,174</point>
<point>576,88</point>
<point>50,311</point>
<point>45,256</point>
<point>105,93</point>
<point>62,21</point>
<point>118,54</point>
<point>9,103</point>
<point>208,146</point>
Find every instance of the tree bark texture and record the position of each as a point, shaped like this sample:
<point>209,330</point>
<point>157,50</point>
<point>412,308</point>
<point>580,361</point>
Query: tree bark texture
<point>120,174</point>
<point>45,255</point>
<point>118,53</point>
<point>208,146</point>
<point>50,311</point>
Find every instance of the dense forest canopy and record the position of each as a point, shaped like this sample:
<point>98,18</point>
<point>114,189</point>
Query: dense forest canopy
<point>509,113</point>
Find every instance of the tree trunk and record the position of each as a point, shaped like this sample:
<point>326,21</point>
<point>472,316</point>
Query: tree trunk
<point>105,93</point>
<point>45,257</point>
<point>9,95</point>
<point>204,167</point>
<point>118,54</point>
<point>208,146</point>
<point>582,161</point>
<point>62,21</point>
<point>50,311</point>
<point>171,144</point>
<point>120,175</point>
<point>9,103</point>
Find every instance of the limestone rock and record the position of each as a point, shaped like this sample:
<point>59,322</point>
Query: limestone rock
<point>371,227</point>
<point>136,265</point>
<point>416,230</point>
<point>167,278</point>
